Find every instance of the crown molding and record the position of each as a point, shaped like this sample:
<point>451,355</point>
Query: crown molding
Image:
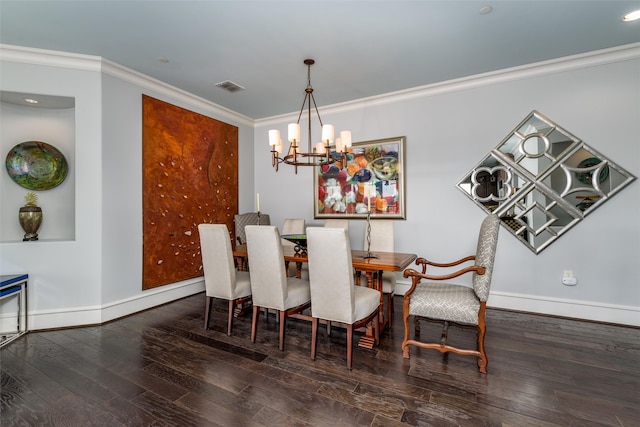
<point>26,55</point>
<point>95,63</point>
<point>574,62</point>
<point>51,58</point>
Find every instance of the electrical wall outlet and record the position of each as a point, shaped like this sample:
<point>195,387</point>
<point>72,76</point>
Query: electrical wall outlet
<point>569,281</point>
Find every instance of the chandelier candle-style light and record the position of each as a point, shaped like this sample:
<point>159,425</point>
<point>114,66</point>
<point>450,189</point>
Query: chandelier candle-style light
<point>322,153</point>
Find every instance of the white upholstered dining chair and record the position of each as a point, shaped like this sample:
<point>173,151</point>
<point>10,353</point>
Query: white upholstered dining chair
<point>220,276</point>
<point>270,286</point>
<point>337,223</point>
<point>439,300</point>
<point>292,226</point>
<point>334,295</point>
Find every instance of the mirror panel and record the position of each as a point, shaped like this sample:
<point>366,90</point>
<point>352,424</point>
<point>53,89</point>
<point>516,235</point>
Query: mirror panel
<point>492,183</point>
<point>540,218</point>
<point>541,181</point>
<point>536,144</point>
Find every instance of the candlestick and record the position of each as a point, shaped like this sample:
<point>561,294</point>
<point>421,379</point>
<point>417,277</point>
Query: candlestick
<point>369,254</point>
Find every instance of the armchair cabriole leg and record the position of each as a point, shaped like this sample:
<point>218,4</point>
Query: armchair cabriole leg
<point>405,315</point>
<point>483,361</point>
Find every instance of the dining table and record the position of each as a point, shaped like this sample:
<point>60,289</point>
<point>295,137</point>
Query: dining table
<point>372,264</point>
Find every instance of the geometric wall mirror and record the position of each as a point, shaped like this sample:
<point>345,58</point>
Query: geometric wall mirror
<point>541,180</point>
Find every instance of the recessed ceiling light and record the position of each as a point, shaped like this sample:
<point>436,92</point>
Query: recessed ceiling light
<point>486,9</point>
<point>164,60</point>
<point>31,100</point>
<point>631,16</point>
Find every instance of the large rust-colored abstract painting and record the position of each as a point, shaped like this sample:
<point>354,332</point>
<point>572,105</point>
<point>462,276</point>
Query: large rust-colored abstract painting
<point>190,176</point>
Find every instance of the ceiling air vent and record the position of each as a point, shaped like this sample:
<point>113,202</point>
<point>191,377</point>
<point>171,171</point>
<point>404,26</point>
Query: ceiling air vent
<point>229,86</point>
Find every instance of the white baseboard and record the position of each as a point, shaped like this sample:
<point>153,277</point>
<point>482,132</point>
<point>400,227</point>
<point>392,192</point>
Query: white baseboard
<point>587,310</point>
<point>64,318</point>
<point>78,316</point>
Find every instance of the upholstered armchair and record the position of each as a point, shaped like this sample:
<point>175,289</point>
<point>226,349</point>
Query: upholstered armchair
<point>248,218</point>
<point>433,297</point>
<point>271,288</point>
<point>334,295</point>
<point>220,276</point>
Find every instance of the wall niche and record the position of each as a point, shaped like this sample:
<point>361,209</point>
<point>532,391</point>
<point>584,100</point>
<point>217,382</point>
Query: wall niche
<point>50,120</point>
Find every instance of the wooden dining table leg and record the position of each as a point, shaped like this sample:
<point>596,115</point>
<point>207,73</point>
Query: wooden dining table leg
<point>368,340</point>
<point>383,319</point>
<point>299,270</point>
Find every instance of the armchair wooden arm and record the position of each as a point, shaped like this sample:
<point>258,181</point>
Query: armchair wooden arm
<point>425,262</point>
<point>416,276</point>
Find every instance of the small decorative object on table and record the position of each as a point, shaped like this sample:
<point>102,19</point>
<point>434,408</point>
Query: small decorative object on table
<point>30,216</point>
<point>300,240</point>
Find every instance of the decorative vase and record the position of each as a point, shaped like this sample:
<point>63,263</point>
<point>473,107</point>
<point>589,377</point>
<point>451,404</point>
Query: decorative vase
<point>30,220</point>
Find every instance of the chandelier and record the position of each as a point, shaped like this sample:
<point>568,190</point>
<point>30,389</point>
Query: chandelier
<point>322,153</point>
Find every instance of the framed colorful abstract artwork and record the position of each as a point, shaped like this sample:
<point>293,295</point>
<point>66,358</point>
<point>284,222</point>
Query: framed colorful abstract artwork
<point>371,179</point>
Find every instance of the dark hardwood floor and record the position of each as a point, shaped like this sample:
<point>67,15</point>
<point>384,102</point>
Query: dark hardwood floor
<point>161,368</point>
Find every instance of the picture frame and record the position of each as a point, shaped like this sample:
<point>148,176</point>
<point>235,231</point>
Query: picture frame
<point>372,178</point>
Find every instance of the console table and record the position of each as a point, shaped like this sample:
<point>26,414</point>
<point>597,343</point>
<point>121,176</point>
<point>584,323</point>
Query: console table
<point>13,286</point>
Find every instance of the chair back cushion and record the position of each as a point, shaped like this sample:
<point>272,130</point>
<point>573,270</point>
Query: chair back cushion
<point>485,254</point>
<point>382,238</point>
<point>293,226</point>
<point>266,264</point>
<point>249,218</point>
<point>337,223</point>
<point>331,274</point>
<point>217,260</point>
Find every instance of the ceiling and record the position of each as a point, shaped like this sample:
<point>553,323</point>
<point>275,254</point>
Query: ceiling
<point>361,48</point>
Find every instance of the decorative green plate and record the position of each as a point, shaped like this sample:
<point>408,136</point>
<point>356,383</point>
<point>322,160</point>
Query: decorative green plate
<point>36,165</point>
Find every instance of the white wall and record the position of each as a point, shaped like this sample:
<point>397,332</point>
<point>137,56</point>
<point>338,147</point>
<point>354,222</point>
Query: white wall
<point>64,274</point>
<point>450,127</point>
<point>98,276</point>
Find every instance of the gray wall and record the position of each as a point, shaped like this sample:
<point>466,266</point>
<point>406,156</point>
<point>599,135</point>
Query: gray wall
<point>450,127</point>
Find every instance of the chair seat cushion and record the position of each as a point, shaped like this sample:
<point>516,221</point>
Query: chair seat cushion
<point>445,301</point>
<point>366,300</point>
<point>298,293</point>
